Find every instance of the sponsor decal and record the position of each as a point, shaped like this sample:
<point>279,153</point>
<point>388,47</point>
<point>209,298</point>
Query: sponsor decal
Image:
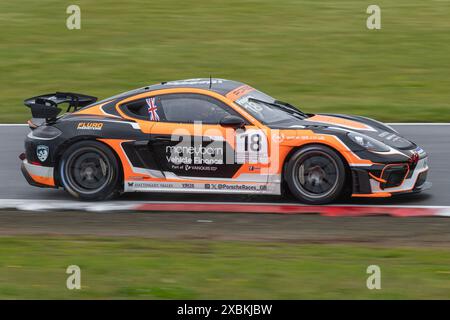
<point>278,138</point>
<point>90,126</point>
<point>392,137</point>
<point>239,187</point>
<point>198,81</point>
<point>236,148</point>
<point>42,152</point>
<point>150,185</point>
<point>249,105</point>
<point>188,167</point>
<point>207,186</point>
<point>198,155</point>
<point>152,109</point>
<point>239,92</point>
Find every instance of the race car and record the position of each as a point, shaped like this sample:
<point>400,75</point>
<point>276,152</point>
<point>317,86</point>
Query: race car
<point>213,136</point>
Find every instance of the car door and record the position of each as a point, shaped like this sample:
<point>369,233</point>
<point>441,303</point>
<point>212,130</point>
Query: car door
<point>190,144</point>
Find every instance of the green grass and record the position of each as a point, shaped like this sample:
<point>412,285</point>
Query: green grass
<point>316,54</point>
<point>34,267</point>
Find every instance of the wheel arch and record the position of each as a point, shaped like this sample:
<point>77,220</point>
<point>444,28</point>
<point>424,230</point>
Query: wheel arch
<point>315,143</point>
<point>66,144</point>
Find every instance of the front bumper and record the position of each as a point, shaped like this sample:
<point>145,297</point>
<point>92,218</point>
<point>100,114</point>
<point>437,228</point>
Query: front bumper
<point>37,175</point>
<point>390,179</point>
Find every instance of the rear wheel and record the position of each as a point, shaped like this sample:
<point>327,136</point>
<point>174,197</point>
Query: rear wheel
<point>316,174</point>
<point>89,171</point>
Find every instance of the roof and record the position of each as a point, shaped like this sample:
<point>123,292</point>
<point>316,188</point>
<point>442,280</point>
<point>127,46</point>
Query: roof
<point>221,86</point>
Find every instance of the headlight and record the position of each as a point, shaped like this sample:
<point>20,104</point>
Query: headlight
<point>368,142</point>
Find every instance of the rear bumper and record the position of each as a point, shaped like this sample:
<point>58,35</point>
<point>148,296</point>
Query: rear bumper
<point>38,176</point>
<point>372,182</point>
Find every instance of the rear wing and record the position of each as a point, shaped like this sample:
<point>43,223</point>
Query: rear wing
<point>46,106</point>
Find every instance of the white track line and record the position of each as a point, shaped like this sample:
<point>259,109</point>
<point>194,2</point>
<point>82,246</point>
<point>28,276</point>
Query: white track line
<point>132,206</point>
<point>138,202</point>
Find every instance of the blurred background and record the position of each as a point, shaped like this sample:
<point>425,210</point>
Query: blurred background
<point>315,54</point>
<point>318,55</point>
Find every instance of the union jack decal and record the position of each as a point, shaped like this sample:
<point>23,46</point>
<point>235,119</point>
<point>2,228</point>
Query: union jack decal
<point>152,109</point>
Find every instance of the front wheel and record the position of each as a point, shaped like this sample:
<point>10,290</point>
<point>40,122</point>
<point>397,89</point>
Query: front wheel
<point>89,171</point>
<point>316,174</point>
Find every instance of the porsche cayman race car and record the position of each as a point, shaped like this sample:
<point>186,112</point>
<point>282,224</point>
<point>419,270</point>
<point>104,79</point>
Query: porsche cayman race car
<point>213,136</point>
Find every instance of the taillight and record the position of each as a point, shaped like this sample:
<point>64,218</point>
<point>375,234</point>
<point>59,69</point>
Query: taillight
<point>31,124</point>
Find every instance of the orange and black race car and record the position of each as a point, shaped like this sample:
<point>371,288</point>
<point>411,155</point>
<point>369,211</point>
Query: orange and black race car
<point>213,136</point>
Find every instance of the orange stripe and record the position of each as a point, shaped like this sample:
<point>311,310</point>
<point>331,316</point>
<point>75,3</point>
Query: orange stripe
<point>239,92</point>
<point>376,178</point>
<point>95,110</point>
<point>43,180</point>
<point>372,195</point>
<point>338,121</point>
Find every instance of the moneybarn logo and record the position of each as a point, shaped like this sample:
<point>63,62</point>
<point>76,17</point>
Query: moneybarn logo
<point>213,146</point>
<point>182,154</point>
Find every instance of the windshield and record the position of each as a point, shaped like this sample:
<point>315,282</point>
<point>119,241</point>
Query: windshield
<point>267,110</point>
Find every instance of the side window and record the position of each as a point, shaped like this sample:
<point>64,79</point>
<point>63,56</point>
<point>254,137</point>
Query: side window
<point>179,108</point>
<point>187,108</point>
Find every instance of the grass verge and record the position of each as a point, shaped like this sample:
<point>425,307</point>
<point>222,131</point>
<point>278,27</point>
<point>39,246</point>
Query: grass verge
<point>316,54</point>
<point>133,268</point>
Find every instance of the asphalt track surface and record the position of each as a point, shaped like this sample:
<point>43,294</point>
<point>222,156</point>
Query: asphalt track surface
<point>311,229</point>
<point>435,139</point>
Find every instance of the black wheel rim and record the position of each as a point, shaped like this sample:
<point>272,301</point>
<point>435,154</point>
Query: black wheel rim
<point>88,170</point>
<point>316,174</point>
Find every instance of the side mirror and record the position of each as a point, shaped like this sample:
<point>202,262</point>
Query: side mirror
<point>232,122</point>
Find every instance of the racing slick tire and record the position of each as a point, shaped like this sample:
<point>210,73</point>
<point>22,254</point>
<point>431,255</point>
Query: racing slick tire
<point>315,174</point>
<point>89,171</point>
